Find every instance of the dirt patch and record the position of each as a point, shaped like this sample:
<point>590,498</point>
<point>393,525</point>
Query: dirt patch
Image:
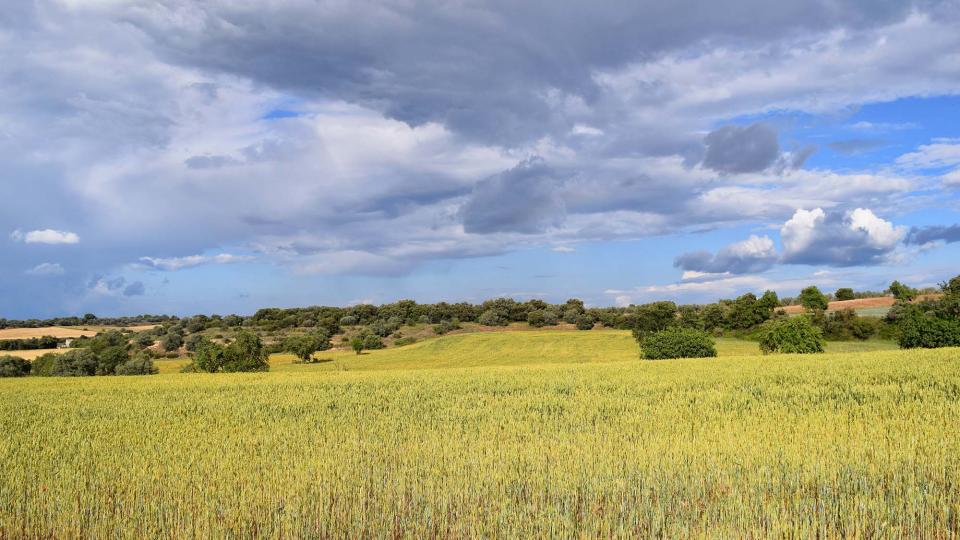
<point>859,303</point>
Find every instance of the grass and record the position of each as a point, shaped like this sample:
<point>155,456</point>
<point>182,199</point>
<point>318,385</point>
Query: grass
<point>534,434</point>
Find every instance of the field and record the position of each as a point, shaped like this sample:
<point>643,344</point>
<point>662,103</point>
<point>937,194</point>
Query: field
<point>521,434</point>
<point>63,331</point>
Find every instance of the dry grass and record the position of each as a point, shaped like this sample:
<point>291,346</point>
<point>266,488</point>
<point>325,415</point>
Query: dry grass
<point>54,331</point>
<point>32,354</point>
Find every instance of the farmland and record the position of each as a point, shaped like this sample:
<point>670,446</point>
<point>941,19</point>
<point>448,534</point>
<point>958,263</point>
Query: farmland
<point>513,434</point>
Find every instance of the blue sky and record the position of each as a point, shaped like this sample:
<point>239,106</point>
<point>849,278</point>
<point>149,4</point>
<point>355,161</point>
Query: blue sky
<point>177,157</point>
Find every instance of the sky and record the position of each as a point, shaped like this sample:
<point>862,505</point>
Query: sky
<point>181,157</point>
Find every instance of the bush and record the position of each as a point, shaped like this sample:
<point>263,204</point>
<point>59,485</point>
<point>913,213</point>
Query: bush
<point>409,340</point>
<point>446,326</point>
<point>918,329</point>
<point>304,346</point>
<point>535,318</point>
<point>372,342</point>
<point>791,335</point>
<point>14,366</point>
<point>585,322</point>
<point>492,317</point>
<point>171,342</point>
<point>76,363</point>
<point>245,354</point>
<point>141,364</point>
<point>812,299</point>
<point>844,293</point>
<point>42,366</point>
<point>677,342</point>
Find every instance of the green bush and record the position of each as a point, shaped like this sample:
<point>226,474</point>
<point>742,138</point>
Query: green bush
<point>42,366</point>
<point>446,326</point>
<point>791,335</point>
<point>14,366</point>
<point>409,340</point>
<point>677,342</point>
<point>492,317</point>
<point>141,364</point>
<point>372,342</point>
<point>76,363</point>
<point>585,322</point>
<point>918,329</point>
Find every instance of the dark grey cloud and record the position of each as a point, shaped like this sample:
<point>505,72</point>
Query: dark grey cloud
<point>755,254</point>
<point>482,70</point>
<point>134,289</point>
<point>855,146</point>
<point>934,233</point>
<point>741,149</point>
<point>524,199</point>
<point>800,157</point>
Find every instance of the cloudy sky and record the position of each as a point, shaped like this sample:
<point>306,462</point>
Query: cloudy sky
<point>184,156</point>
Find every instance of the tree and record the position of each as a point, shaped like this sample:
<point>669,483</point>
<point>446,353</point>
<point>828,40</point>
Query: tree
<point>844,293</point>
<point>75,363</point>
<point>110,358</point>
<point>304,346</point>
<point>492,317</point>
<point>171,342</point>
<point>901,292</point>
<point>654,317</point>
<point>585,322</point>
<point>141,364</point>
<point>677,342</point>
<point>812,299</point>
<point>747,312</point>
<point>372,342</point>
<point>208,357</point>
<point>14,366</point>
<point>357,345</point>
<point>245,354</point>
<point>791,335</point>
<point>535,319</point>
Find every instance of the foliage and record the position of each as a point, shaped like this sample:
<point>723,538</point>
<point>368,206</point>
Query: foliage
<point>171,342</point>
<point>493,317</point>
<point>901,292</point>
<point>446,326</point>
<point>677,342</point>
<point>140,364</point>
<point>13,366</point>
<point>812,299</point>
<point>357,344</point>
<point>791,335</point>
<point>372,342</point>
<point>585,322</point>
<point>845,324</point>
<point>304,346</point>
<point>245,353</point>
<point>654,317</point>
<point>75,363</point>
<point>404,341</point>
<point>844,293</point>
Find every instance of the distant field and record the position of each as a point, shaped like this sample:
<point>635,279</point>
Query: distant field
<point>876,307</point>
<point>34,353</point>
<point>64,331</point>
<point>532,434</point>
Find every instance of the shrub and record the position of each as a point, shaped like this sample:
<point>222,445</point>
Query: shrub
<point>42,366</point>
<point>844,293</point>
<point>171,342</point>
<point>357,344</point>
<point>304,346</point>
<point>654,317</point>
<point>14,366</point>
<point>791,335</point>
<point>535,318</point>
<point>409,340</point>
<point>446,326</point>
<point>901,292</point>
<point>372,342</point>
<point>492,317</point>
<point>141,364</point>
<point>110,358</point>
<point>918,329</point>
<point>677,342</point>
<point>76,363</point>
<point>585,322</point>
<point>245,354</point>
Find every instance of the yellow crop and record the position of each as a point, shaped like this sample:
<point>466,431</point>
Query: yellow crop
<point>576,439</point>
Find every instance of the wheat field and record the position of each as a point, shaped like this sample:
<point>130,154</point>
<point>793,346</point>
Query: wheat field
<point>583,443</point>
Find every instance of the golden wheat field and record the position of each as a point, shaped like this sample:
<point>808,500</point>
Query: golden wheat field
<point>586,441</point>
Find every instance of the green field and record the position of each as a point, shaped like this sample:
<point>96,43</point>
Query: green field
<point>533,434</point>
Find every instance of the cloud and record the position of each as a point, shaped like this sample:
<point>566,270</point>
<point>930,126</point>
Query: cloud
<point>741,149</point>
<point>855,146</point>
<point>942,153</point>
<point>952,178</point>
<point>173,264</point>
<point>134,289</point>
<point>46,269</point>
<point>45,236</point>
<point>524,199</point>
<point>752,255</point>
<point>837,239</point>
<point>562,249</point>
<point>934,233</point>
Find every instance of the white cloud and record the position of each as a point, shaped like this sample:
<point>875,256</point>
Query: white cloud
<point>46,269</point>
<point>942,153</point>
<point>952,178</point>
<point>857,237</point>
<point>562,249</point>
<point>45,236</point>
<point>799,232</point>
<point>179,263</point>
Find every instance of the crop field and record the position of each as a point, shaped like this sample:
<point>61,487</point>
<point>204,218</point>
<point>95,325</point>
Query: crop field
<point>64,331</point>
<point>520,434</point>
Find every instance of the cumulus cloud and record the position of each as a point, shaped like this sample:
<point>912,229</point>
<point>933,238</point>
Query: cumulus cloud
<point>45,236</point>
<point>178,263</point>
<point>524,199</point>
<point>46,269</point>
<point>854,238</point>
<point>752,255</point>
<point>741,149</point>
